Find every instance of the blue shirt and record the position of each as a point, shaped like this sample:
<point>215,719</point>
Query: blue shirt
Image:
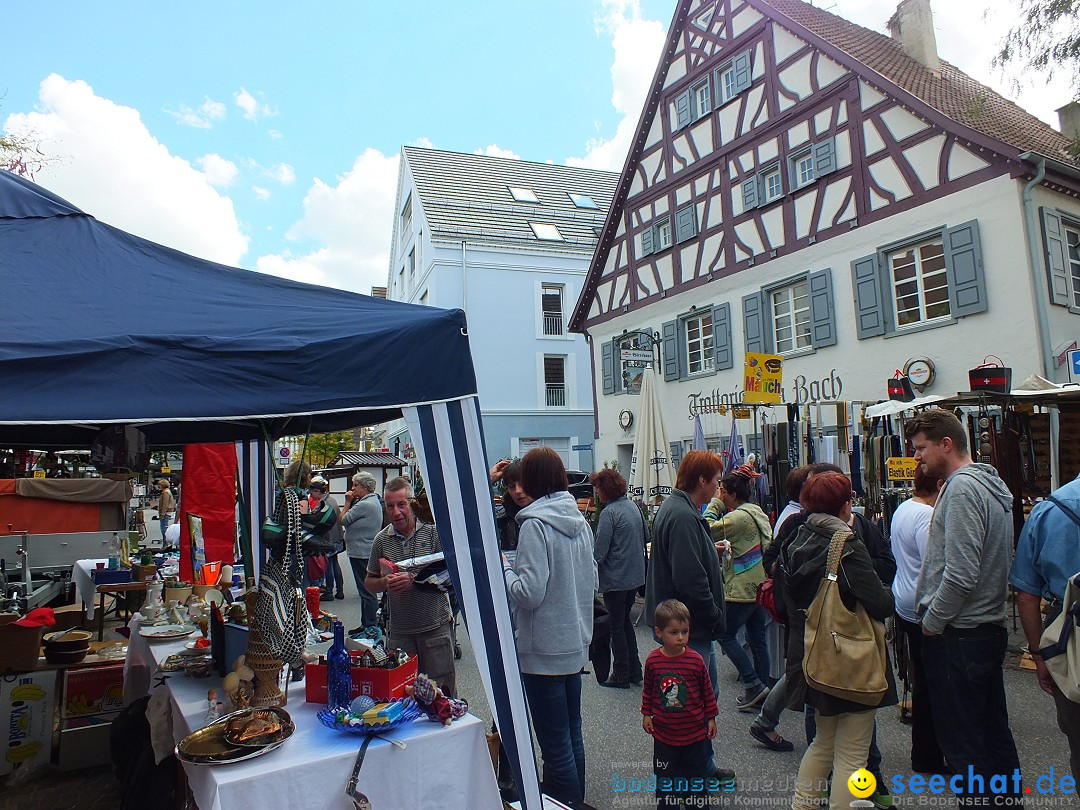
<point>1048,552</point>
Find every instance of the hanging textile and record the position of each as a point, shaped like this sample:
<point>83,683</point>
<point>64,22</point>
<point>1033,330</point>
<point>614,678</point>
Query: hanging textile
<point>256,479</point>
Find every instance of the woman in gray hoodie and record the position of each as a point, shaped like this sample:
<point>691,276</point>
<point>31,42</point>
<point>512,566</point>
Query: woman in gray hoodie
<point>551,586</point>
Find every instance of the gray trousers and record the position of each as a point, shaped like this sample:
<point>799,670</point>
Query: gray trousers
<point>1068,718</point>
<point>434,650</point>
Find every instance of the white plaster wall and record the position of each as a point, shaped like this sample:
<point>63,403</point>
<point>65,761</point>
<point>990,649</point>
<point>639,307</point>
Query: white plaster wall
<point>1006,329</point>
<point>785,43</point>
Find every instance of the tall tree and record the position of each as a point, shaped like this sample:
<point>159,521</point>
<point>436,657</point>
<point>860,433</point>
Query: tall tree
<point>1046,39</point>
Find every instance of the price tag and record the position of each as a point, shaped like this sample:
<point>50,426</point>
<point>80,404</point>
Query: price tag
<point>39,473</point>
<point>166,469</point>
<point>900,469</point>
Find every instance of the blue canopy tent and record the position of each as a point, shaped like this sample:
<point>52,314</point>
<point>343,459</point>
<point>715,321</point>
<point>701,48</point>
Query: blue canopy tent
<point>101,327</point>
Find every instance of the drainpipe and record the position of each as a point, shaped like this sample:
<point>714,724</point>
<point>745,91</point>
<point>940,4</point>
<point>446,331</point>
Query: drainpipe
<point>1042,316</point>
<point>1035,260</point>
<point>595,398</point>
<point>464,286</point>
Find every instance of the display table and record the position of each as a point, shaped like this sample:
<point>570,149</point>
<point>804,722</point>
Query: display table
<point>85,586</point>
<point>443,766</point>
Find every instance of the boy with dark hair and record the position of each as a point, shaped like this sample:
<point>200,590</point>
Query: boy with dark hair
<point>679,709</point>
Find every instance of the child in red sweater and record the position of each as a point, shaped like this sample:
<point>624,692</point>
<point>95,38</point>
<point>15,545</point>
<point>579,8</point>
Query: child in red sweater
<point>679,708</point>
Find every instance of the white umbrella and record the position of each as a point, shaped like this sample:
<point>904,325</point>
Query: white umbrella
<point>651,475</point>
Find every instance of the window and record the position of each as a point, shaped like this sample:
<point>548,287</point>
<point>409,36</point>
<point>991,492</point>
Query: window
<point>697,343</point>
<point>582,201</point>
<point>772,187</point>
<point>551,308</point>
<point>1061,240</point>
<point>424,299</point>
<point>410,262</point>
<point>623,361</point>
<point>555,381</point>
<point>1072,240</point>
<point>920,286</point>
<point>700,351</point>
<point>795,315</point>
<point>802,169</point>
<point>699,100</point>
<point>791,317</point>
<point>930,279</point>
<point>525,195</point>
<point>662,234</point>
<point>733,77</point>
<point>546,232</point>
<point>406,219</point>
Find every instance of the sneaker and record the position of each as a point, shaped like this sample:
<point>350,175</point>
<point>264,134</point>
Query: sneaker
<point>726,777</point>
<point>776,743</point>
<point>751,698</point>
<point>340,596</point>
<point>616,684</point>
<point>881,797</point>
<point>457,652</point>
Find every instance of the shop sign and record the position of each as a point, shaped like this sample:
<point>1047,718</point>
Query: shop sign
<point>801,392</point>
<point>637,358</point>
<point>825,389</point>
<point>900,468</point>
<point>635,355</point>
<point>715,402</point>
<point>740,413</point>
<point>166,469</point>
<point>762,379</point>
<point>39,473</point>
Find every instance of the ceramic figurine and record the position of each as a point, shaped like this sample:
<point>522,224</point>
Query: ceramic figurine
<point>153,607</point>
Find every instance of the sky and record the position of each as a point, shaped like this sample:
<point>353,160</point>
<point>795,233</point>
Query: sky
<point>266,135</point>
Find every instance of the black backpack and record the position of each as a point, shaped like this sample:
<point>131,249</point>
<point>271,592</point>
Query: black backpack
<point>143,784</point>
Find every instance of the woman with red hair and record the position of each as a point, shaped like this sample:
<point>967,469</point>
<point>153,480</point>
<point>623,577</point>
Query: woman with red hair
<point>844,728</point>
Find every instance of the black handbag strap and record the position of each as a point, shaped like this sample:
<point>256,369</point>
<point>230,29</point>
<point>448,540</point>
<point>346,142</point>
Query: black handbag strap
<point>1075,518</point>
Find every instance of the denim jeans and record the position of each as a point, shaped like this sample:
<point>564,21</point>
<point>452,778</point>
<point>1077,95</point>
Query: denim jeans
<point>555,709</point>
<point>708,653</point>
<point>926,756</point>
<point>625,662</point>
<point>369,602</point>
<point>166,519</point>
<point>769,716</point>
<point>753,617</point>
<point>675,762</point>
<point>333,576</point>
<point>967,696</point>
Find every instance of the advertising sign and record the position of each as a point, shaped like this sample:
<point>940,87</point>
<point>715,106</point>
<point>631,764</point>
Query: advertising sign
<point>763,379</point>
<point>900,469</point>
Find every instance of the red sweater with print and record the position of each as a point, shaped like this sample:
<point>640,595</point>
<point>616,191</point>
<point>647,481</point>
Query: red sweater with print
<point>678,694</point>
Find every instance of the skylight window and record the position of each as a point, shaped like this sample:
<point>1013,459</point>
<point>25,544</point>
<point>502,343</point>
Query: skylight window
<point>526,195</point>
<point>549,233</point>
<point>583,201</point>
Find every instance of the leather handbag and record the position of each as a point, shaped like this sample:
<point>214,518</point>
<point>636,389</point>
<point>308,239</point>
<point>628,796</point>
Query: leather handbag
<point>844,650</point>
<point>280,609</point>
<point>766,597</point>
<point>320,521</point>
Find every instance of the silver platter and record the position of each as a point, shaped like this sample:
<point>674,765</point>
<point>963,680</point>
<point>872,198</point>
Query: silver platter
<point>209,746</point>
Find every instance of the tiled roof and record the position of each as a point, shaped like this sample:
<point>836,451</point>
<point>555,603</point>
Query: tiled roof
<point>467,197</point>
<point>953,93</point>
<point>351,458</point>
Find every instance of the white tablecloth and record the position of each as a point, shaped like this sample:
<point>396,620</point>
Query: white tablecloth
<point>444,766</point>
<point>85,585</point>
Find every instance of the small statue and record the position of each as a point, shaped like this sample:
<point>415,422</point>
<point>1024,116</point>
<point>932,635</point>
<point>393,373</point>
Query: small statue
<point>239,685</point>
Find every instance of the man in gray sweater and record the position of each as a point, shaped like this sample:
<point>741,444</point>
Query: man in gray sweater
<point>960,602</point>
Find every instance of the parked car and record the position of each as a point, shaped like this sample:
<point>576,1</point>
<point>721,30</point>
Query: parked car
<point>580,486</point>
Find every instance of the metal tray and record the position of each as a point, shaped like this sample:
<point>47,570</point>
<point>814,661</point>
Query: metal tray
<point>208,745</point>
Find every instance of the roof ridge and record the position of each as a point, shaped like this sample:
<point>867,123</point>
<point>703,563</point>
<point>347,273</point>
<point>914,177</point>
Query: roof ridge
<point>508,160</point>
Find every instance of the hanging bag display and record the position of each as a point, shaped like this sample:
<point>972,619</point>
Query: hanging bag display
<point>899,387</point>
<point>844,650</point>
<point>990,377</point>
<point>280,609</point>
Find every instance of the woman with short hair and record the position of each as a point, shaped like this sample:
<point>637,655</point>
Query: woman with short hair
<point>550,586</point>
<point>619,552</point>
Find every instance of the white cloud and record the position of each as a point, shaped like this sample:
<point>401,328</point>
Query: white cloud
<point>219,171</point>
<point>491,150</point>
<point>637,44</point>
<point>261,193</point>
<point>114,169</point>
<point>202,118</point>
<point>352,221</point>
<point>282,172</point>
<point>252,107</point>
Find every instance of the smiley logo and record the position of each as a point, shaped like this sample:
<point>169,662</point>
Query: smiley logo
<point>861,783</point>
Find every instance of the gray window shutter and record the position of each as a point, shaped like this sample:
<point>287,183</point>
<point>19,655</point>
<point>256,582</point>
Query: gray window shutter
<point>682,110</point>
<point>869,308</point>
<point>750,194</point>
<point>1057,264</point>
<point>741,65</point>
<point>685,223</point>
<point>647,241</point>
<point>754,323</point>
<point>964,265</point>
<point>721,329</point>
<point>824,157</point>
<point>669,335</point>
<point>822,310</point>
<point>607,365</point>
<point>676,454</point>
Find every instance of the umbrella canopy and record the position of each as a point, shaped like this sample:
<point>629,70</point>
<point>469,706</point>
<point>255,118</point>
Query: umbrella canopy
<point>651,475</point>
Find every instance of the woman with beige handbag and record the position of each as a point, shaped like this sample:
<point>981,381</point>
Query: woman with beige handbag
<point>836,656</point>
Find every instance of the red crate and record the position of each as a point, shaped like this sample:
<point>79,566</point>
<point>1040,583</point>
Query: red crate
<point>380,684</point>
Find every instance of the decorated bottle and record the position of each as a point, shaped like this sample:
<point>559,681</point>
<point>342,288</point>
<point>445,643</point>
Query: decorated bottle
<point>338,676</point>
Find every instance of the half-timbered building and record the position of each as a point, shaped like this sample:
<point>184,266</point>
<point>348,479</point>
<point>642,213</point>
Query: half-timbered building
<point>803,186</point>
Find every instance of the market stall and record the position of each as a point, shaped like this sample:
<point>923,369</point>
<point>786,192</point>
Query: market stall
<point>248,357</point>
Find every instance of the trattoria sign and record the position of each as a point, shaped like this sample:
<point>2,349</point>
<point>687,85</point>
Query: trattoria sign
<point>801,391</point>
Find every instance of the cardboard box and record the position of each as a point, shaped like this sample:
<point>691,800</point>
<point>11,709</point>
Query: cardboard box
<point>93,690</point>
<point>27,707</point>
<point>381,684</point>
<point>19,646</point>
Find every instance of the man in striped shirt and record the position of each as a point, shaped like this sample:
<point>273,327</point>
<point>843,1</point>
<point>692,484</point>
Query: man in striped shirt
<point>419,618</point>
<point>679,709</point>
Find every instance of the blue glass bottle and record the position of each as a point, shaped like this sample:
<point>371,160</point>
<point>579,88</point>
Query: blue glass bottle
<point>338,676</point>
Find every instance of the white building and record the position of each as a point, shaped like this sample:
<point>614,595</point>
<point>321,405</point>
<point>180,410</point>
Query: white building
<point>508,242</point>
<point>804,186</point>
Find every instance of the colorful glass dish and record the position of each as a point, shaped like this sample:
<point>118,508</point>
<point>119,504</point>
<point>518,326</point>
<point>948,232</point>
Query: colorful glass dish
<point>343,720</point>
